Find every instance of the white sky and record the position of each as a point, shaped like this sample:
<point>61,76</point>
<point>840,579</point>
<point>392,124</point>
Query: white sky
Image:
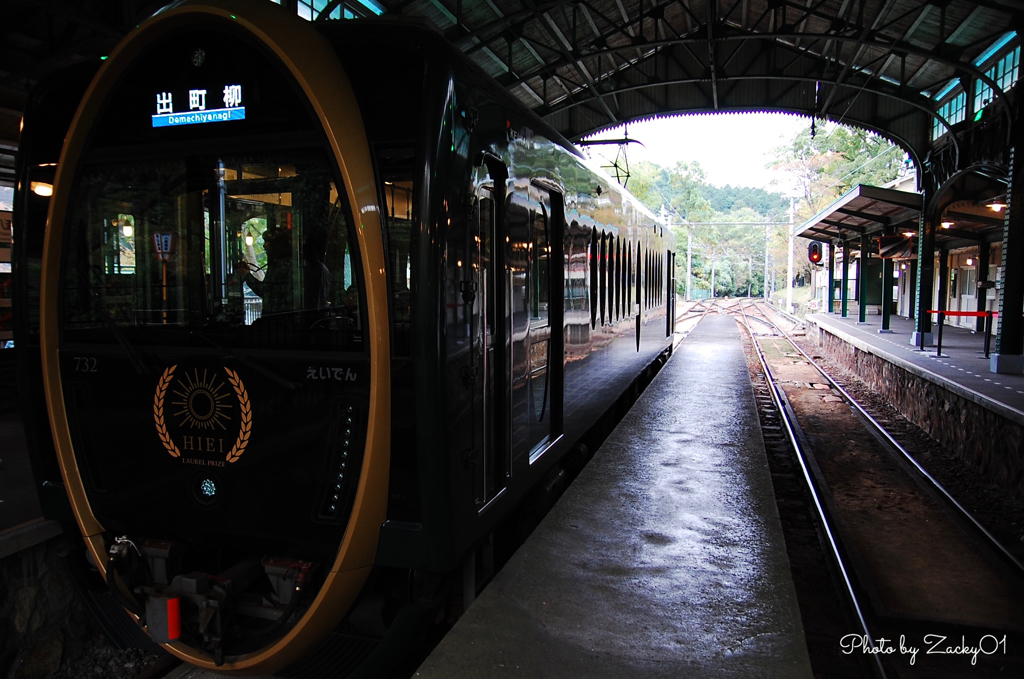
<point>733,148</point>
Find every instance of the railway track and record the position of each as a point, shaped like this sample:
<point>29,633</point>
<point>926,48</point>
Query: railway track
<point>924,589</point>
<point>689,316</point>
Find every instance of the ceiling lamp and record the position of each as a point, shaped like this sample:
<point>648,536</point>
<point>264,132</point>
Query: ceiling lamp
<point>41,189</point>
<point>996,205</point>
<point>946,225</point>
<point>909,234</point>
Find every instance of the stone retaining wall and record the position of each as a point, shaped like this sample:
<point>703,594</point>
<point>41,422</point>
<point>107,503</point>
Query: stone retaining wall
<point>42,617</point>
<point>984,438</point>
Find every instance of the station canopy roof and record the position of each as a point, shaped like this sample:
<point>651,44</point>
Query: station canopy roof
<point>875,211</point>
<point>591,64</point>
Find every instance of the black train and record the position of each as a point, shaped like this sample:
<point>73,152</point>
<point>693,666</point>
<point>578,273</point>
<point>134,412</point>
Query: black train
<point>318,305</point>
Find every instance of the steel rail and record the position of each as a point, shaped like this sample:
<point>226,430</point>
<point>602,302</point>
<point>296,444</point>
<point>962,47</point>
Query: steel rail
<point>907,456</point>
<point>836,553</point>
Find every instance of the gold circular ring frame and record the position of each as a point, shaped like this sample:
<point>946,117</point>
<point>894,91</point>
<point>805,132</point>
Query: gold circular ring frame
<point>312,62</point>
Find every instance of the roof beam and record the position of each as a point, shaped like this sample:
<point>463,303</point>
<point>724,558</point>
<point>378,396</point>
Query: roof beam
<point>556,34</point>
<point>883,11</point>
<point>980,219</point>
<point>866,216</point>
<point>711,7</point>
<point>960,233</point>
<point>844,227</point>
<point>74,15</point>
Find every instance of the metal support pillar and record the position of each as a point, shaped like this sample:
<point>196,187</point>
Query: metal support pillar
<point>862,308</point>
<point>844,294</point>
<point>689,259</point>
<point>943,289</point>
<point>913,290</point>
<point>922,337</point>
<point>1010,340</point>
<point>887,265</point>
<point>790,269</point>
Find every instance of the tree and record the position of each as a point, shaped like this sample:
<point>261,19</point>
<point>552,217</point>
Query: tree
<point>826,165</point>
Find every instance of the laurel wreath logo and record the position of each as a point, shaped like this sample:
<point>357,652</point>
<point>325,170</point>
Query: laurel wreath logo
<point>158,412</point>
<point>244,405</point>
<point>246,410</point>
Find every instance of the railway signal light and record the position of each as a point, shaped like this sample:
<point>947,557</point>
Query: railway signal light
<point>814,253</point>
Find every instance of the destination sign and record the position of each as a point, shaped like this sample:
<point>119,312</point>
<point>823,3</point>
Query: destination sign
<point>168,115</point>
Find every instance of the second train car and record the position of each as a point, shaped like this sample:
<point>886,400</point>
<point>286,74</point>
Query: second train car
<point>319,304</point>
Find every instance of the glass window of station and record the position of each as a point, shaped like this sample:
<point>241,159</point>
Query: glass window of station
<point>1000,63</point>
<point>352,9</point>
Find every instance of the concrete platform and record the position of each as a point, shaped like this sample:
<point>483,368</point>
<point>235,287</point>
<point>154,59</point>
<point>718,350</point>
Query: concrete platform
<point>665,558</point>
<point>19,500</point>
<point>962,368</point>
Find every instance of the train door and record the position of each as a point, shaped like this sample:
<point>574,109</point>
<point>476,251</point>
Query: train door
<point>536,294</point>
<point>490,347</point>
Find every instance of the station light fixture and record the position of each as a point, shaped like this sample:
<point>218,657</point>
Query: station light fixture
<point>996,205</point>
<point>42,189</point>
<point>909,234</point>
<point>970,261</point>
<point>946,225</point>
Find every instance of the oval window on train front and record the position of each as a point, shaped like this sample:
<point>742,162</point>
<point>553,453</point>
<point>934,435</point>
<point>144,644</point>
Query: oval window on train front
<point>207,211</point>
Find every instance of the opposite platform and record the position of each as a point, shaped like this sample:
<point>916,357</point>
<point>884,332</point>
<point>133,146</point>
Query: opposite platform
<point>665,558</point>
<point>962,367</point>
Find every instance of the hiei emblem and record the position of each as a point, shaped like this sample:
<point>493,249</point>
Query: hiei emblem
<point>198,411</point>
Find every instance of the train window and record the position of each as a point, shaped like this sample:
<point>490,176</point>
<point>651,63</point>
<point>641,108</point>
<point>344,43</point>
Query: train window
<point>618,278</point>
<point>609,277</point>
<point>252,250</point>
<point>540,264</point>
<point>647,279</point>
<point>661,281</point>
<point>604,277</point>
<point>627,280</point>
<point>595,258</point>
<point>398,224</point>
<point>395,170</point>
<point>613,283</point>
<point>639,274</point>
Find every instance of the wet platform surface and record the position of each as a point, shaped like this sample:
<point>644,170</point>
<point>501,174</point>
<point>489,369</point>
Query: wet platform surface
<point>665,558</point>
<point>962,367</point>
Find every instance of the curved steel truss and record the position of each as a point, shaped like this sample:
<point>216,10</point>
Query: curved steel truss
<point>588,65</point>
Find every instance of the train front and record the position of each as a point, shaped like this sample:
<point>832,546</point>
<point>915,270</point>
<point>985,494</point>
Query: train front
<point>214,334</point>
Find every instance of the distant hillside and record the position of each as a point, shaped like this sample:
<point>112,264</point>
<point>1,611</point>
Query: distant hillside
<point>728,198</point>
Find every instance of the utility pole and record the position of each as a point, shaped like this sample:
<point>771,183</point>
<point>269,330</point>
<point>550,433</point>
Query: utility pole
<point>689,259</point>
<point>766,227</point>
<point>712,273</point>
<point>792,245</point>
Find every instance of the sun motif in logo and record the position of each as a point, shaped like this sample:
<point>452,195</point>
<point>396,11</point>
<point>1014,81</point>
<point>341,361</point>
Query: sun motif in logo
<point>202,401</point>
